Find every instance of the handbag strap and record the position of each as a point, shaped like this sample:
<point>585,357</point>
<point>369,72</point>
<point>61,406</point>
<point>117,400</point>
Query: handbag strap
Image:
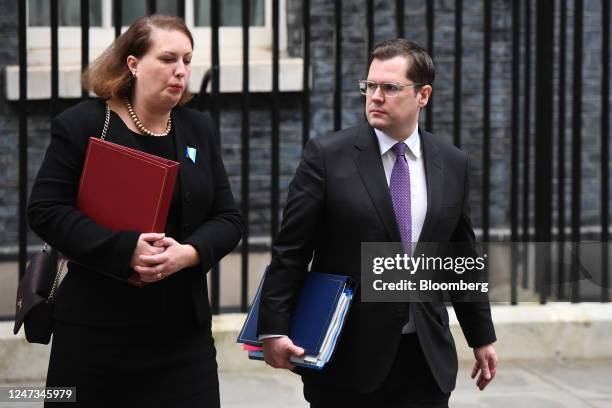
<point>106,122</point>
<point>58,274</point>
<point>56,281</point>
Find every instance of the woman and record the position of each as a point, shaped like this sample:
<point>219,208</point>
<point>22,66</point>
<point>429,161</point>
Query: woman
<point>115,342</point>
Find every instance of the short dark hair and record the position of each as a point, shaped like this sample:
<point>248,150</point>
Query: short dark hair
<point>421,69</point>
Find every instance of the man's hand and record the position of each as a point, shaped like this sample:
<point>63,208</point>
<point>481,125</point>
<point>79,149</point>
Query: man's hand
<point>277,351</point>
<point>486,363</point>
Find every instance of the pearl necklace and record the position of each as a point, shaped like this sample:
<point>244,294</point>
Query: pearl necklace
<point>141,127</point>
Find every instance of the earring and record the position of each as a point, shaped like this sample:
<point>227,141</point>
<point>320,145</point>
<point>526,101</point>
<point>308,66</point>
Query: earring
<point>134,74</point>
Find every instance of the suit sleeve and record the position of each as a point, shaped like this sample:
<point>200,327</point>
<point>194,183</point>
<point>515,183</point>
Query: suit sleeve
<point>474,317</point>
<point>293,247</point>
<point>52,212</point>
<point>221,231</point>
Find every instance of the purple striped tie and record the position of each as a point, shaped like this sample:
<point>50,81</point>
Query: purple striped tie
<point>400,195</point>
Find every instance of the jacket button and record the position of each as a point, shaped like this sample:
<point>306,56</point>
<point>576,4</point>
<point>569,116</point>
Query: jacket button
<point>188,197</point>
<point>187,226</point>
<point>400,312</point>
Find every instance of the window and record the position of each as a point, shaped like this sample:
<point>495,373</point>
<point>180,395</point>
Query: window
<point>197,18</point>
<point>69,12</point>
<point>231,13</point>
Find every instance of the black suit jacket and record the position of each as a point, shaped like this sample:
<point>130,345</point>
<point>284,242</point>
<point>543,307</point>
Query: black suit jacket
<point>338,199</point>
<point>210,219</point>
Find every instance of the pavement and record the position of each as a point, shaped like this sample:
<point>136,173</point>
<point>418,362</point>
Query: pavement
<point>528,384</point>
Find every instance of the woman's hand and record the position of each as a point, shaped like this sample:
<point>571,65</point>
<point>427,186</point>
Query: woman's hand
<point>144,246</point>
<point>173,258</point>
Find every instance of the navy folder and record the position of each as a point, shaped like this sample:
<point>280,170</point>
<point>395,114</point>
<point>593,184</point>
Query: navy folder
<point>313,312</point>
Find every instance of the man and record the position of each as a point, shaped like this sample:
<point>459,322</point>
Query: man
<point>386,180</point>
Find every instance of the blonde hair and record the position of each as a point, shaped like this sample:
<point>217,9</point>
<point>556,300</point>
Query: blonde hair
<point>109,76</point>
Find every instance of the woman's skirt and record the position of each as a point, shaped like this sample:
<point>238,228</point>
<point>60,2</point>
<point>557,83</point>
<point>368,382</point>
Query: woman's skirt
<point>135,366</point>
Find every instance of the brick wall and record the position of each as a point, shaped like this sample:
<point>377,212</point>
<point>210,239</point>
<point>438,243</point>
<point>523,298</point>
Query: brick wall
<point>354,68</point>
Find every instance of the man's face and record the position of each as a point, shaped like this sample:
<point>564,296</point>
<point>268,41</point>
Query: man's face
<point>397,115</point>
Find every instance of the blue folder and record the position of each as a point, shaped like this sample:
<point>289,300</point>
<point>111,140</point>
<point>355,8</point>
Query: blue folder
<point>312,315</point>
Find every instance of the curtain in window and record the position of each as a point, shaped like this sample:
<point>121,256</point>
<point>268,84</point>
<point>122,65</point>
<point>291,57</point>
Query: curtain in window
<point>134,9</point>
<point>69,12</point>
<point>231,13</point>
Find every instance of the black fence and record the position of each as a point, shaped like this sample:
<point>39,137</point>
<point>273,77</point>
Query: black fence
<point>521,229</point>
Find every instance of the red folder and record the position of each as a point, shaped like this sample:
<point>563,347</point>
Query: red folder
<point>126,189</point>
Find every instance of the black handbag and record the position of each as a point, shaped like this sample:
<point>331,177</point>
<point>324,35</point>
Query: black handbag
<point>34,306</point>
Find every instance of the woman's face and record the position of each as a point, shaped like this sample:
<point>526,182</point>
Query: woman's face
<point>163,72</point>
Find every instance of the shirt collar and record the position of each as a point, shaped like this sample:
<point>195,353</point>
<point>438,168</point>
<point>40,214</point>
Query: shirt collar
<point>386,142</point>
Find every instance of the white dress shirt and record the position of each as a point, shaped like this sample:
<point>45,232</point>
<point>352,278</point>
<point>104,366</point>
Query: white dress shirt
<point>418,186</point>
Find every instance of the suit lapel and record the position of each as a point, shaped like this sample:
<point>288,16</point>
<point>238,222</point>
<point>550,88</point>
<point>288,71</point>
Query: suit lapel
<point>181,136</point>
<point>369,164</point>
<point>179,140</point>
<point>434,177</point>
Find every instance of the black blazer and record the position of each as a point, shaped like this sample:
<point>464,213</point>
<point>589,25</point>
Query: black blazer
<point>210,219</point>
<point>338,199</point>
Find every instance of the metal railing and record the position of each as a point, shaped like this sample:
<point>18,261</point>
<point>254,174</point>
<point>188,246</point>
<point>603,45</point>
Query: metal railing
<point>522,106</point>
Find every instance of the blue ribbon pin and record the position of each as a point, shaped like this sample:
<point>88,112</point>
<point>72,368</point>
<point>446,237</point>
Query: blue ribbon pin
<point>191,153</point>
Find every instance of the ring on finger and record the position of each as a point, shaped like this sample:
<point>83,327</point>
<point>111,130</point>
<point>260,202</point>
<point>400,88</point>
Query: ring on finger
<point>159,275</point>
